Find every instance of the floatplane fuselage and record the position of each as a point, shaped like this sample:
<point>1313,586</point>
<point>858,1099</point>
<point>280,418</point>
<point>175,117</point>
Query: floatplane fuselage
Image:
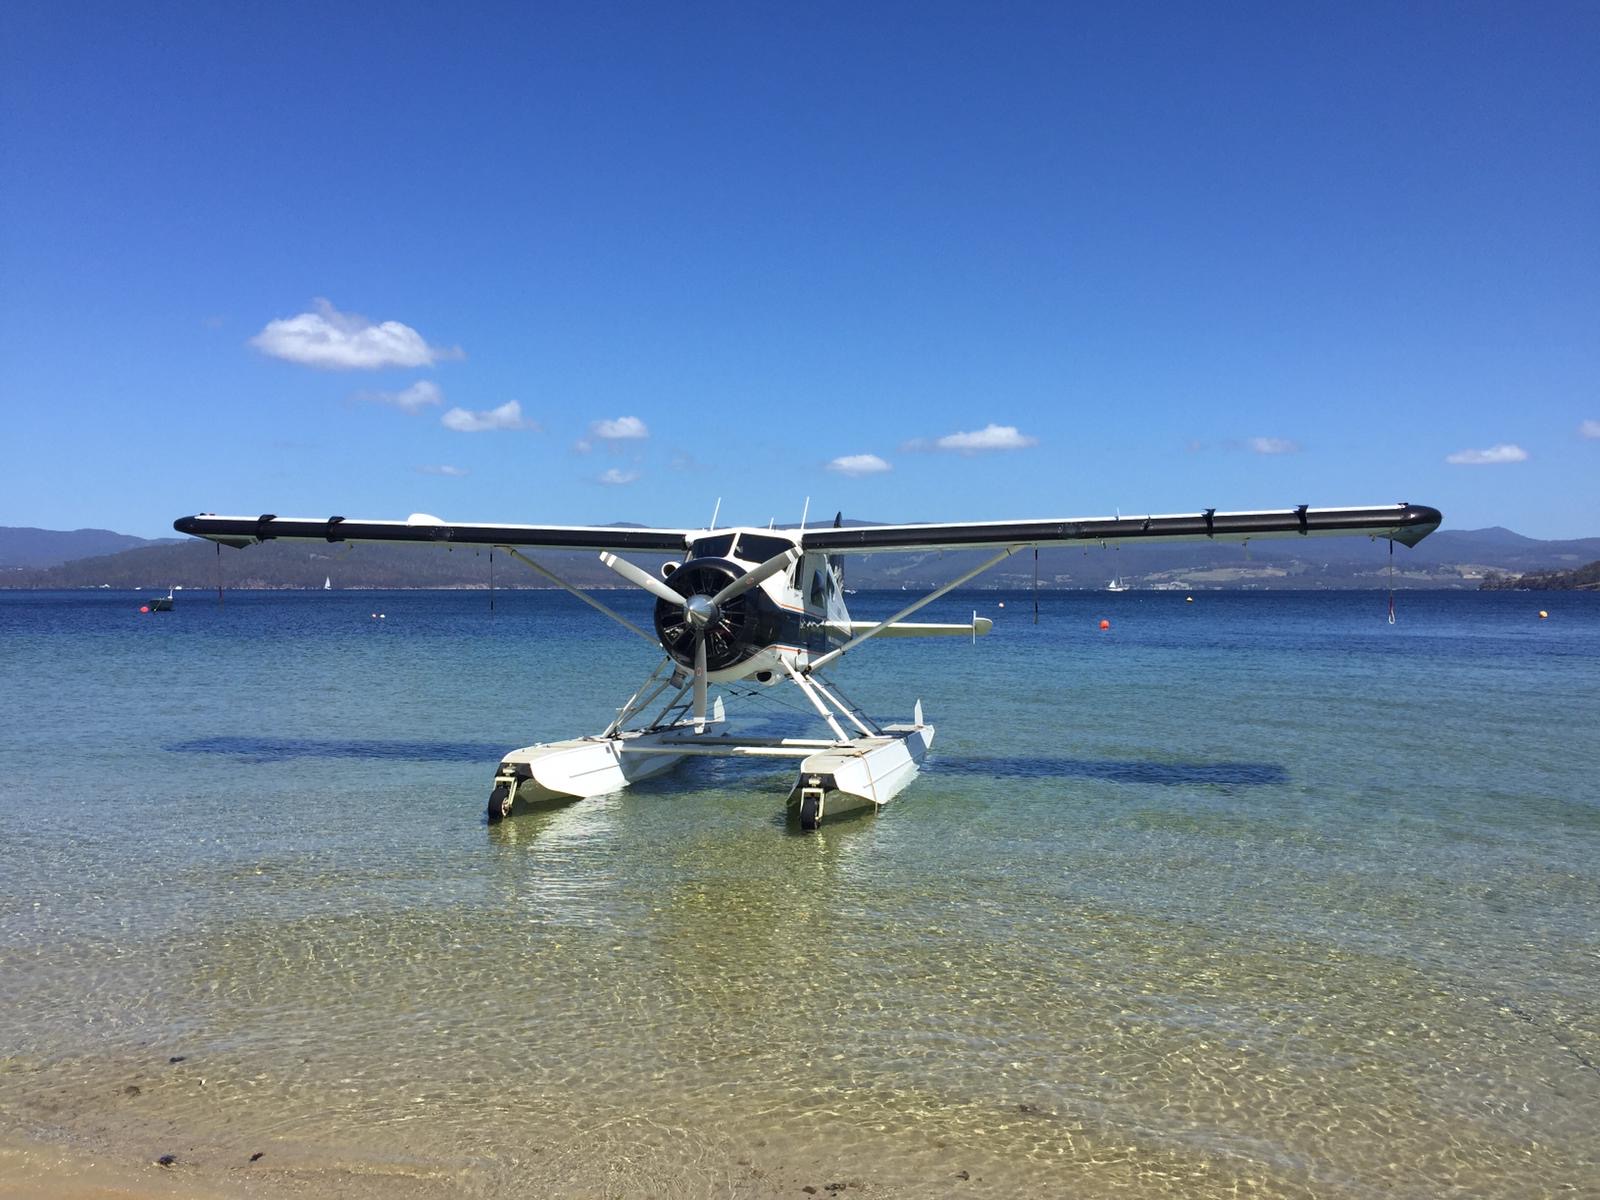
<point>768,606</point>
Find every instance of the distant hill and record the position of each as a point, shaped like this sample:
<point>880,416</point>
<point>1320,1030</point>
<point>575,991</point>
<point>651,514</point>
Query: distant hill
<point>1584,579</point>
<point>192,563</point>
<point>21,546</point>
<point>1450,558</point>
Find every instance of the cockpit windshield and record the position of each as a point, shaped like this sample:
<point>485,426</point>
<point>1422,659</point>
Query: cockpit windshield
<point>751,547</point>
<point>757,547</point>
<point>713,547</point>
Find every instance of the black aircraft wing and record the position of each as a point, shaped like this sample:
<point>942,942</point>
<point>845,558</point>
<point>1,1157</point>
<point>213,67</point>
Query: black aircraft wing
<point>1404,523</point>
<point>247,531</point>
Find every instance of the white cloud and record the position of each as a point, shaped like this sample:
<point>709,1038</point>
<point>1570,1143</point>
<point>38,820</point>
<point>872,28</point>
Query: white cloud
<point>1589,429</point>
<point>583,446</point>
<point>451,472</point>
<point>1272,445</point>
<point>413,399</point>
<point>339,341</point>
<point>614,477</point>
<point>990,437</point>
<point>859,464</point>
<point>1503,453</point>
<point>619,429</point>
<point>507,416</point>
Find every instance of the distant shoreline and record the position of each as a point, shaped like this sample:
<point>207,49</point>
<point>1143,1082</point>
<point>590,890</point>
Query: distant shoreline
<point>1431,585</point>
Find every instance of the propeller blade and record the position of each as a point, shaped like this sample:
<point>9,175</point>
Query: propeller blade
<point>700,680</point>
<point>641,578</point>
<point>755,575</point>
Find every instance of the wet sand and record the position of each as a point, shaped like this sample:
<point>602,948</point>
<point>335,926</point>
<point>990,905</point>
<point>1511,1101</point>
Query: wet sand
<point>40,1170</point>
<point>37,1171</point>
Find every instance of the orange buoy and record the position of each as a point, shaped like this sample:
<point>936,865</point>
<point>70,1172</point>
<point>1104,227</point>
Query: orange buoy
<point>144,608</point>
<point>1105,624</point>
<point>1543,614</point>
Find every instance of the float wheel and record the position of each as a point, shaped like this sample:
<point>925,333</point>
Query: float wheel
<point>500,801</point>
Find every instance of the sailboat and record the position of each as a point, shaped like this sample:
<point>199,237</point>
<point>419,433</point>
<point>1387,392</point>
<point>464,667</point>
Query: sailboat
<point>327,583</point>
<point>1116,585</point>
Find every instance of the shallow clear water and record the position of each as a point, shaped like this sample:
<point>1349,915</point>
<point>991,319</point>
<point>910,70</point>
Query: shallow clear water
<point>1255,895</point>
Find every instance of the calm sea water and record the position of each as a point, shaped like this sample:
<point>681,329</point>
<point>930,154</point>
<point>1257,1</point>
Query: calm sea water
<point>1256,895</point>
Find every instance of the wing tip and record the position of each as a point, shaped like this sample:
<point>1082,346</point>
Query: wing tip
<point>1417,521</point>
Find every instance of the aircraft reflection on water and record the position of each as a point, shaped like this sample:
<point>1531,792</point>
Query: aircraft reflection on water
<point>1125,771</point>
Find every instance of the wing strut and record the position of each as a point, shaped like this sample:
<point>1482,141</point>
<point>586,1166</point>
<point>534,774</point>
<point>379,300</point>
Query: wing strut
<point>817,664</point>
<point>580,594</point>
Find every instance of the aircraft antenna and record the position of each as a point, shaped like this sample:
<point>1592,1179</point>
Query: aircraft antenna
<point>804,513</point>
<point>714,513</point>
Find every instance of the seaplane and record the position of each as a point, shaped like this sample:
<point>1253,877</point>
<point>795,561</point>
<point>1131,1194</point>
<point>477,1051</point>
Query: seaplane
<point>768,605</point>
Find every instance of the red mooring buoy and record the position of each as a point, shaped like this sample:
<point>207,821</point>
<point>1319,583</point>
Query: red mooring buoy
<point>1105,624</point>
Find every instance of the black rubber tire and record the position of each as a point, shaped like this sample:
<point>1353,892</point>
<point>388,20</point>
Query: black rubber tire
<point>810,818</point>
<point>500,802</point>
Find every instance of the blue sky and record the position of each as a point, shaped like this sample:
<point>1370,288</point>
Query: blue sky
<point>586,263</point>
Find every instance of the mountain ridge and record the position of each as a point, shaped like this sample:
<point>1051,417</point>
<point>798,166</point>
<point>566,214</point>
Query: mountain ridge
<point>27,546</point>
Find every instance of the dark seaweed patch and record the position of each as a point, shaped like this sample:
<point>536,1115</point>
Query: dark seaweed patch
<point>1165,774</point>
<point>268,749</point>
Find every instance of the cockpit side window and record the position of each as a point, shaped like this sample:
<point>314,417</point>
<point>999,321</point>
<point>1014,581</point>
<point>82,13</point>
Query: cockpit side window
<point>819,591</point>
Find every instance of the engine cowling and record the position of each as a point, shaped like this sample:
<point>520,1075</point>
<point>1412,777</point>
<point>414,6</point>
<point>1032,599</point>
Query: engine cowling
<point>743,626</point>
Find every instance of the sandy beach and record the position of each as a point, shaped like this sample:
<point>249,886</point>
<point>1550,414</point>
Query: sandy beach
<point>39,1170</point>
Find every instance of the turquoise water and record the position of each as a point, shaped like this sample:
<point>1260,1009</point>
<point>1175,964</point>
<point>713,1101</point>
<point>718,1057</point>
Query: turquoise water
<point>1256,895</point>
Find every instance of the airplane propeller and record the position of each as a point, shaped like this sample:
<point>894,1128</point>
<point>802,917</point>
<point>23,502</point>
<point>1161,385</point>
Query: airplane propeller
<point>639,577</point>
<point>701,612</point>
